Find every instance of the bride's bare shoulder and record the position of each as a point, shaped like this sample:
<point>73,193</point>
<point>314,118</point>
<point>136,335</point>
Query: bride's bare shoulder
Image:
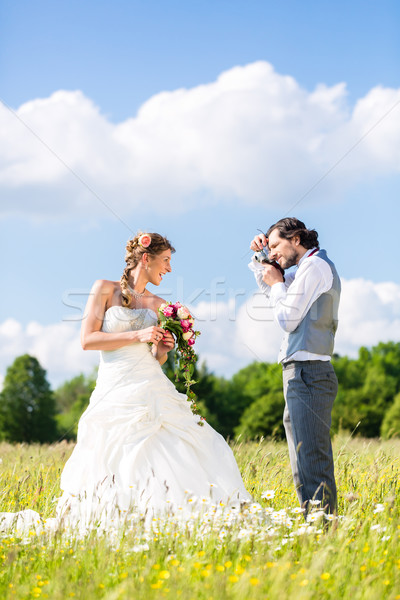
<point>104,285</point>
<point>156,301</point>
<point>106,291</point>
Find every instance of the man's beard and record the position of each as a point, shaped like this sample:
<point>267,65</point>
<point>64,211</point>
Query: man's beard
<point>290,260</point>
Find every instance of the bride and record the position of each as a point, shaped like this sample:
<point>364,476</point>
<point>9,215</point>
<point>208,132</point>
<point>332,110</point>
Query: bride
<point>140,451</point>
<point>139,446</point>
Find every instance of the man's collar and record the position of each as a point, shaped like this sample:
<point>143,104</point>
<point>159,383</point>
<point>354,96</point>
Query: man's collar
<point>306,255</point>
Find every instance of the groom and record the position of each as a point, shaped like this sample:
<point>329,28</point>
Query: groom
<point>305,305</point>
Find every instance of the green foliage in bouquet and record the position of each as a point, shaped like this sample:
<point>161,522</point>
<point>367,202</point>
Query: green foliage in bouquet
<point>177,319</point>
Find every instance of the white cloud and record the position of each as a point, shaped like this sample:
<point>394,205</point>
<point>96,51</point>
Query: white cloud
<point>253,134</point>
<point>233,334</point>
<point>369,313</point>
<point>57,348</point>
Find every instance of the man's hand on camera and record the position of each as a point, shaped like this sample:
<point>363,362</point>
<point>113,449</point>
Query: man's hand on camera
<point>259,242</point>
<point>272,275</point>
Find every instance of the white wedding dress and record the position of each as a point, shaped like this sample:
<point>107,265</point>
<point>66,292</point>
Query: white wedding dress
<point>139,445</point>
<point>140,449</point>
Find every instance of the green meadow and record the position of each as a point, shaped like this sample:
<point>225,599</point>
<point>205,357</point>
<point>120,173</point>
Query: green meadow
<point>268,552</point>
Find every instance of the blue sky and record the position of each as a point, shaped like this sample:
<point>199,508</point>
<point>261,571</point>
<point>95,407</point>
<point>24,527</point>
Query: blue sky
<point>119,54</point>
<point>204,122</point>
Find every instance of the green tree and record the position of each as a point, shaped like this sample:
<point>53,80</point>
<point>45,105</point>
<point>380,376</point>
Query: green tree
<point>27,403</point>
<point>391,421</point>
<point>67,394</point>
<point>72,398</point>
<point>387,356</point>
<point>350,372</point>
<point>226,404</point>
<point>261,383</point>
<point>259,378</point>
<point>263,417</point>
<point>367,387</point>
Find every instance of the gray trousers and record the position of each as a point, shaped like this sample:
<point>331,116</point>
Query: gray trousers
<point>310,388</point>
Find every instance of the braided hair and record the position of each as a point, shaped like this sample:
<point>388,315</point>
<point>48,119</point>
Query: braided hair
<point>133,255</point>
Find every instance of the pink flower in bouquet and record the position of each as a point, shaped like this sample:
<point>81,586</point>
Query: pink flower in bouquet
<point>186,325</point>
<point>144,240</point>
<point>177,319</point>
<point>169,311</point>
<point>183,312</point>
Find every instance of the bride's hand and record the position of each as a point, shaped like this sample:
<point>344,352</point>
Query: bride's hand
<point>152,334</point>
<point>167,343</point>
<point>163,347</point>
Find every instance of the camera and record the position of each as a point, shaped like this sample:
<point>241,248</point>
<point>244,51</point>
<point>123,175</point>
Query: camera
<point>263,259</point>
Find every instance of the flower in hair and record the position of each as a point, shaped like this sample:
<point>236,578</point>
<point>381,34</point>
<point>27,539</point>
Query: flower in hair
<point>144,240</point>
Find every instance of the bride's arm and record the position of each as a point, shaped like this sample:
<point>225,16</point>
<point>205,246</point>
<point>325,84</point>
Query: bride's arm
<point>160,351</point>
<point>92,338</point>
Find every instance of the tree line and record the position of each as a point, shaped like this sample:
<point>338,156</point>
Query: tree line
<point>249,404</point>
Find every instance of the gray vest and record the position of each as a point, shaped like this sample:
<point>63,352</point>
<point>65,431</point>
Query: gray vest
<point>316,332</point>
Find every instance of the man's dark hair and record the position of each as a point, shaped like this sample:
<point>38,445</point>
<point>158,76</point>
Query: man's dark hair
<point>290,227</point>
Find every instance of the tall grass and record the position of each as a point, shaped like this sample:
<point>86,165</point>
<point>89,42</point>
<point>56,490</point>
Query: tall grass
<point>356,557</point>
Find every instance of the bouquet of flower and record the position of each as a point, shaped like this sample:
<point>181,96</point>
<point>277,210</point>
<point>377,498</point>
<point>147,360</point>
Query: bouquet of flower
<point>177,319</point>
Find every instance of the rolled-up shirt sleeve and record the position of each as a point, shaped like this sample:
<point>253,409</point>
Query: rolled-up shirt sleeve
<point>290,304</point>
<point>258,271</point>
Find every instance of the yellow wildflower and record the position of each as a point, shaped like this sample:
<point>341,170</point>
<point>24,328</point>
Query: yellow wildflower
<point>175,562</point>
<point>156,586</point>
<point>164,575</point>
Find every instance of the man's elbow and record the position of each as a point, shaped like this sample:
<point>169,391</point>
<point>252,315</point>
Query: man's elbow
<point>288,326</point>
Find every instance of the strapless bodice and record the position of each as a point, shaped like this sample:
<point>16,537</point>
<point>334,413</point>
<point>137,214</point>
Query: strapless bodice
<point>118,319</point>
<point>121,318</point>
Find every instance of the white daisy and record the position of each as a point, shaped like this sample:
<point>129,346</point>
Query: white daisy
<point>268,494</point>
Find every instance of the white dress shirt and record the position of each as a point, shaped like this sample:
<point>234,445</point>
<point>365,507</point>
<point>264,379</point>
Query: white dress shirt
<point>293,298</point>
